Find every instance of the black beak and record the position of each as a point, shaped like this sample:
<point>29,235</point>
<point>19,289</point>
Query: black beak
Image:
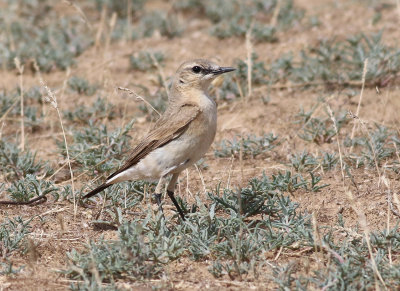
<point>223,70</point>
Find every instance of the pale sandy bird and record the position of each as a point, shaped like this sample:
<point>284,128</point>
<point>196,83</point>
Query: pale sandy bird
<point>181,136</point>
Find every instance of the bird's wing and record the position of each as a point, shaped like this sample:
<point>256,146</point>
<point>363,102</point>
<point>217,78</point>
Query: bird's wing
<point>169,127</point>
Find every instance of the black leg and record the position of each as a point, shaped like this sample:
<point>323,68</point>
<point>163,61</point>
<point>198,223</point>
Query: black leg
<point>171,195</point>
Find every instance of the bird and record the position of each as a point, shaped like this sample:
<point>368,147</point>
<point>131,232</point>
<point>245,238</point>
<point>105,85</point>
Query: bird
<point>180,137</point>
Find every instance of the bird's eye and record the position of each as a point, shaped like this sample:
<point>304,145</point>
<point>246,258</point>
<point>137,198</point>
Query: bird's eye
<point>196,69</point>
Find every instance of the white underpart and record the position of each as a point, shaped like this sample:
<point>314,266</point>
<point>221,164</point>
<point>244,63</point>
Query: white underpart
<point>176,155</point>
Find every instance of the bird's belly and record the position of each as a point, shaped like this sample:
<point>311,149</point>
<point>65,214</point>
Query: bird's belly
<point>173,157</point>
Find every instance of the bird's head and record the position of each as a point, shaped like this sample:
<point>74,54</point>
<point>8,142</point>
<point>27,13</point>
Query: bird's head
<point>198,74</point>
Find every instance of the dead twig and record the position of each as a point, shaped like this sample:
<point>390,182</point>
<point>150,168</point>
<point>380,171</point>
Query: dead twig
<point>138,97</point>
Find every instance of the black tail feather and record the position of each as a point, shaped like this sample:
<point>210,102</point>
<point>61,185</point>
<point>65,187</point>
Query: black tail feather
<point>97,190</point>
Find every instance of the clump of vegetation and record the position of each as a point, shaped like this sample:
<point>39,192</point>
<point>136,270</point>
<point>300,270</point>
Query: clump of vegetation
<point>121,7</point>
<point>17,164</point>
<point>164,23</point>
<point>258,71</point>
<point>236,84</point>
<point>303,161</point>
<point>81,86</point>
<point>350,262</point>
<point>144,61</point>
<point>373,148</point>
<point>52,46</point>
<point>319,129</point>
<point>236,18</point>
<point>12,234</point>
<point>146,245</point>
<point>340,63</point>
<point>143,247</point>
<point>100,109</point>
<point>10,103</point>
<point>259,197</point>
<point>122,198</point>
<point>30,187</point>
<point>150,23</point>
<point>306,162</point>
<point>250,145</point>
<point>97,150</point>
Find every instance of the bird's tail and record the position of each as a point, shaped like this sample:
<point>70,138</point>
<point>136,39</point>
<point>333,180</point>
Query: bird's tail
<point>97,190</point>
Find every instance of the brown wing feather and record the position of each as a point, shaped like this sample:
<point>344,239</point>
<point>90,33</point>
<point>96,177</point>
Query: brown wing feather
<point>169,127</point>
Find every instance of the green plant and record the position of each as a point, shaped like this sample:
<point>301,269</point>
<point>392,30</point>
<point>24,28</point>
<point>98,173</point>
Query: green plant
<point>329,160</point>
<point>121,198</point>
<point>17,164</point>
<point>303,161</point>
<point>52,46</point>
<point>100,109</point>
<point>236,240</point>
<point>333,62</point>
<point>166,24</point>
<point>12,234</point>
<point>261,195</point>
<point>350,265</point>
<point>251,145</point>
<point>25,189</point>
<point>375,147</point>
<point>33,115</point>
<point>143,60</point>
<point>258,71</point>
<point>81,86</point>
<point>143,247</point>
<point>319,130</point>
<point>121,7</point>
<point>97,150</point>
<point>234,18</point>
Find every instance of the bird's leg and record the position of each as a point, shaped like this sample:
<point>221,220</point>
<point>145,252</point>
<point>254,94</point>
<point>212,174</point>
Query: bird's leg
<point>170,192</point>
<point>157,194</point>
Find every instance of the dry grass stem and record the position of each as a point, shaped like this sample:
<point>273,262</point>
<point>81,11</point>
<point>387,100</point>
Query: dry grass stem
<point>274,19</point>
<point>363,222</point>
<point>337,143</point>
<point>99,32</point>
<point>188,192</point>
<point>398,7</point>
<point>366,131</point>
<point>396,200</point>
<point>139,98</point>
<point>51,98</point>
<point>112,23</point>
<point>201,179</point>
<point>228,182</point>
<point>249,50</point>
<point>239,89</point>
<point>20,69</point>
<point>360,100</point>
<point>80,12</point>
<point>128,19</point>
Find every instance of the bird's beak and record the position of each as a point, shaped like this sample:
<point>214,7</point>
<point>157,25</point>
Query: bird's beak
<point>223,70</point>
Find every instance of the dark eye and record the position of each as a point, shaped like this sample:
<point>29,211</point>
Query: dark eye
<point>196,69</point>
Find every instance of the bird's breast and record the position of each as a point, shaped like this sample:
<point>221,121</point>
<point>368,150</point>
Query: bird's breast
<point>203,128</point>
